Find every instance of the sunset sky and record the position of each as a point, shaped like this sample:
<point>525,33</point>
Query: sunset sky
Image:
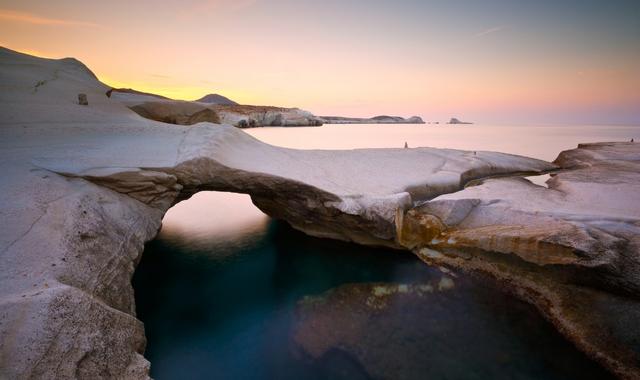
<point>487,61</point>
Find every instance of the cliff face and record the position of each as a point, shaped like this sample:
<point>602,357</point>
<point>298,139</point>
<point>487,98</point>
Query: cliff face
<point>86,186</point>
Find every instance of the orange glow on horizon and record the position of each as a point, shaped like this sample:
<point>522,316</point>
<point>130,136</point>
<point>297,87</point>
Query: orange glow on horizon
<point>342,66</point>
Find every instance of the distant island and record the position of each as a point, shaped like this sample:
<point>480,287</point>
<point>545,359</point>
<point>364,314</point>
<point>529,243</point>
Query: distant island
<point>457,121</point>
<point>382,119</point>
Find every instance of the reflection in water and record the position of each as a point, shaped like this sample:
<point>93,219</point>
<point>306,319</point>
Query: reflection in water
<point>224,292</point>
<point>223,223</point>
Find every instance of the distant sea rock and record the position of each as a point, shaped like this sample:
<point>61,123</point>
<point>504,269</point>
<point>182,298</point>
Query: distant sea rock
<point>382,119</point>
<point>456,121</point>
<point>217,99</point>
<point>415,120</point>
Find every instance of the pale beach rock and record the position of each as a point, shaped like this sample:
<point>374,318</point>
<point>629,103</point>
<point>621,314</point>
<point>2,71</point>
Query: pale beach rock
<point>572,246</point>
<point>86,187</point>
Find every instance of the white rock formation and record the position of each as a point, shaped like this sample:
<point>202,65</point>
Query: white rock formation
<point>572,249</point>
<point>183,112</point>
<point>86,186</point>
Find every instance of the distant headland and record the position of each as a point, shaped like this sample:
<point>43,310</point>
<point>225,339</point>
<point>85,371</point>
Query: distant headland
<point>382,119</point>
<point>457,121</point>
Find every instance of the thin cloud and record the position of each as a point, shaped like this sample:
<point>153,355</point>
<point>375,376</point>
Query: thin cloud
<point>495,29</point>
<point>30,18</point>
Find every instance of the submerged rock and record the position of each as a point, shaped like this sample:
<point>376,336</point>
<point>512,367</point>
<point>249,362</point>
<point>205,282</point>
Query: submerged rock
<point>441,327</point>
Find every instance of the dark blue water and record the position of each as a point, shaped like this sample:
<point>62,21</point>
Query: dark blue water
<point>227,310</point>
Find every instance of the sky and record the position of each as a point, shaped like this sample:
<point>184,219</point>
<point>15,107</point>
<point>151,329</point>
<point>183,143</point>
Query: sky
<point>491,61</point>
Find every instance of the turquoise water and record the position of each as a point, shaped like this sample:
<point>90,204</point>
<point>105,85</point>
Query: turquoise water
<point>219,289</point>
<point>227,310</point>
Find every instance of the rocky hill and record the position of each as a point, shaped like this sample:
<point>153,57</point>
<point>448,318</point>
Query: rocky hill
<point>217,99</point>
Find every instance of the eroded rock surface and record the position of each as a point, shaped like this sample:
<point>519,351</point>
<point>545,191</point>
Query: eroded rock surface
<point>572,249</point>
<point>86,186</point>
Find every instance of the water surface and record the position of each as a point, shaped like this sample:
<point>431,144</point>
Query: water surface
<point>538,141</point>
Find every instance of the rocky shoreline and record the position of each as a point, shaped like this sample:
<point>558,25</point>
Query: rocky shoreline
<point>87,186</point>
<point>217,109</point>
<point>213,109</point>
<point>382,119</point>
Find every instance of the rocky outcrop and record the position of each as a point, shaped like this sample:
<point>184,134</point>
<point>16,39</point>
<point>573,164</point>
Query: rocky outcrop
<point>383,119</point>
<point>453,120</point>
<point>176,112</point>
<point>415,120</point>
<point>572,249</point>
<point>189,113</point>
<point>244,116</point>
<point>212,109</point>
<point>86,186</point>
